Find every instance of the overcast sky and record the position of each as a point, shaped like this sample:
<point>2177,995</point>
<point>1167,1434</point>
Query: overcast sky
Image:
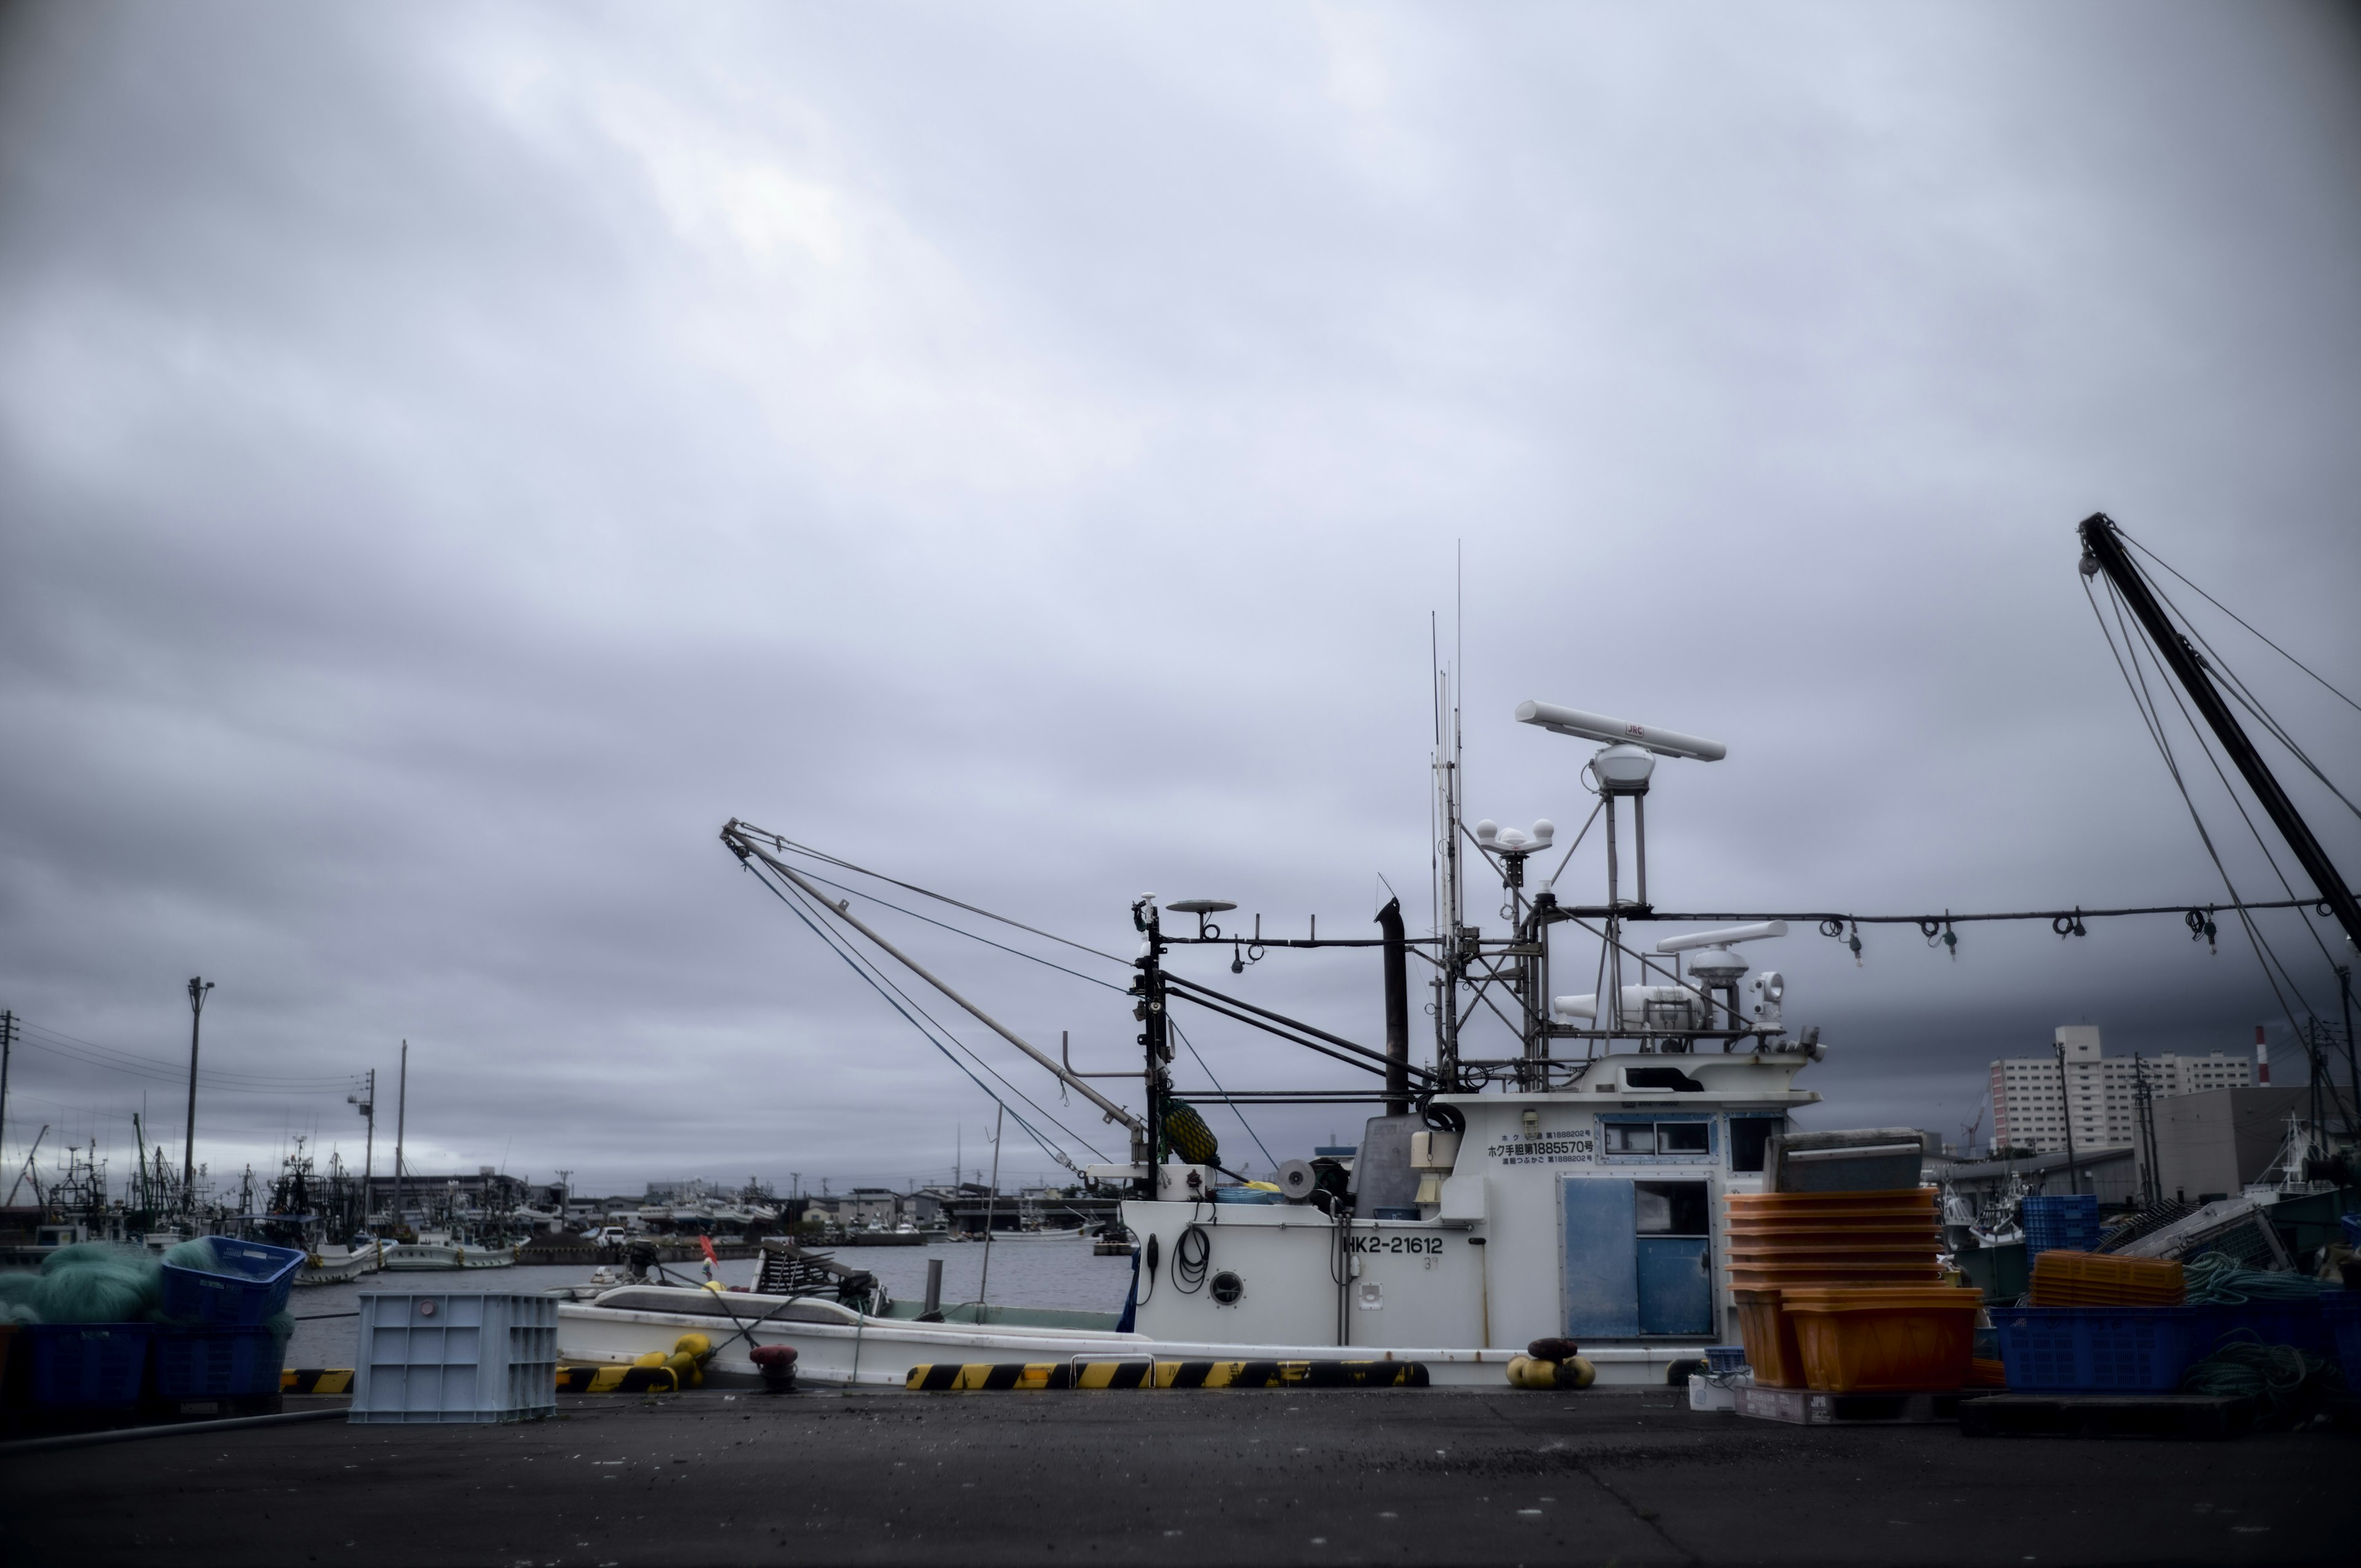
<point>455,457</point>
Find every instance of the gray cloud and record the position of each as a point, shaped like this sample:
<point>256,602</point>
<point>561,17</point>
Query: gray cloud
<point>452,459</point>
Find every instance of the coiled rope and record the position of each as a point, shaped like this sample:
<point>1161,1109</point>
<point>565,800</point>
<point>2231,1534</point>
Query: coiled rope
<point>2216,1280</point>
<point>2280,1376</point>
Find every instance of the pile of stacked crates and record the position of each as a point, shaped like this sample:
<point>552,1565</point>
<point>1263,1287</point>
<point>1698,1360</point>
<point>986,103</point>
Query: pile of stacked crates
<point>108,1328</point>
<point>216,1339</point>
<point>2094,1323</point>
<point>1841,1292</point>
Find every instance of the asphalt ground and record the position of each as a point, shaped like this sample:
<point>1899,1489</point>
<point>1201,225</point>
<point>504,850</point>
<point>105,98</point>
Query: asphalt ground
<point>1200,1478</point>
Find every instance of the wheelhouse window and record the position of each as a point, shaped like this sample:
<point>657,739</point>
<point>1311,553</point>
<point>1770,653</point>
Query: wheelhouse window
<point>1690,1138</point>
<point>1750,1138</point>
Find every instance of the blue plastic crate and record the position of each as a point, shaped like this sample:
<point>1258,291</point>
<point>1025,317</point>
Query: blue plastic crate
<point>2102,1349</point>
<point>248,1282</point>
<point>1725,1358</point>
<point>2064,1222</point>
<point>88,1367</point>
<point>217,1364</point>
<point>2340,1312</point>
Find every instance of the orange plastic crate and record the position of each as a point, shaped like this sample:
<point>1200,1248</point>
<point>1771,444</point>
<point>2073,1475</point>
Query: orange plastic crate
<point>1769,1338</point>
<point>2098,1279</point>
<point>1883,1340</point>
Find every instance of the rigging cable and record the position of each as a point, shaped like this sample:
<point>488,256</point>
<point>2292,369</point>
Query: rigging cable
<point>784,843</point>
<point>2233,614</point>
<point>878,977</point>
<point>960,931</point>
<point>2214,763</point>
<point>2155,733</point>
<point>2243,695</point>
<point>887,981</point>
<point>884,990</point>
<point>1174,1025</point>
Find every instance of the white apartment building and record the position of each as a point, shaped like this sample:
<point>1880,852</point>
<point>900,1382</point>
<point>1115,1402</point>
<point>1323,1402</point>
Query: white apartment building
<point>2029,1113</point>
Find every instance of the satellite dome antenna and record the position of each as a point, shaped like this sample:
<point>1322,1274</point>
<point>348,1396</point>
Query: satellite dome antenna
<point>1200,907</point>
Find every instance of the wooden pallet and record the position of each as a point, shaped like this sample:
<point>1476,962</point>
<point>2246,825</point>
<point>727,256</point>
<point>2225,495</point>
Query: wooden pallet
<point>1809,1407</point>
<point>2184,1417</point>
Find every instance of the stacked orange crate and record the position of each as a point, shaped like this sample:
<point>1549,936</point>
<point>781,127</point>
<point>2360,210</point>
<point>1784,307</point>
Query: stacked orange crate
<point>2097,1279</point>
<point>1784,1240</point>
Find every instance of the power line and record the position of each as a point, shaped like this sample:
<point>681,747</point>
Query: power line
<point>225,1080</point>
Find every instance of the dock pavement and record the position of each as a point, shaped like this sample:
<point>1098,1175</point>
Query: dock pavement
<point>1426,1476</point>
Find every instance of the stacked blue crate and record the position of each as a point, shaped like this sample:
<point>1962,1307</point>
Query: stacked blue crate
<point>2061,1222</point>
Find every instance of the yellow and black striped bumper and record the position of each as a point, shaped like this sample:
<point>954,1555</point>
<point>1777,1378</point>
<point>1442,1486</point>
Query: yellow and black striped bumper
<point>618,1380</point>
<point>945,1378</point>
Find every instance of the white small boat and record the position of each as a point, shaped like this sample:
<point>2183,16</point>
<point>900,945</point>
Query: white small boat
<point>431,1252</point>
<point>327,1264</point>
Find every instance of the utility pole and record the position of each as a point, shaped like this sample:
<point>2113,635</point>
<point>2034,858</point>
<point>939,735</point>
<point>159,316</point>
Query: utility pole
<point>2066,1098</point>
<point>2143,1107</point>
<point>367,1099</point>
<point>7,1042</point>
<point>401,1121</point>
<point>198,988</point>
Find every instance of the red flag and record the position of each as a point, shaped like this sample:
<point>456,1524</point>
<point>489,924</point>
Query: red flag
<point>710,1255</point>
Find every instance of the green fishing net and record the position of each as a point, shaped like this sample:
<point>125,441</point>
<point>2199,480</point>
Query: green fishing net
<point>93,1282</point>
<point>17,1292</point>
<point>196,1254</point>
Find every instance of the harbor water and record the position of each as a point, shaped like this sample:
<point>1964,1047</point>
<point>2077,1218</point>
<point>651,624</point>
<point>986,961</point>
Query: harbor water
<point>1062,1274</point>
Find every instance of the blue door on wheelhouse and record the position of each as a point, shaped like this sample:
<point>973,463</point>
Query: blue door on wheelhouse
<point>1634,1258</point>
<point>1675,1290</point>
<point>1600,1256</point>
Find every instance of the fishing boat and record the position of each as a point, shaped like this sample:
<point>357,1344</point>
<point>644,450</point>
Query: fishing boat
<point>1568,1183</point>
<point>435,1250</point>
<point>329,1264</point>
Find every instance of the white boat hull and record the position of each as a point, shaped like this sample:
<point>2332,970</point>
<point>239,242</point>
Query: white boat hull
<point>837,1346</point>
<point>418,1256</point>
<point>337,1268</point>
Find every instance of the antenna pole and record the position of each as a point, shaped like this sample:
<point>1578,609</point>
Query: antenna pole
<point>7,1043</point>
<point>1154,1043</point>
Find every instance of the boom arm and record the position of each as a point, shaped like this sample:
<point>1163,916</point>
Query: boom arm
<point>2102,551</point>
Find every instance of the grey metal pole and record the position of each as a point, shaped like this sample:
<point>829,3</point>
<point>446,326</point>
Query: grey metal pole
<point>991,1203</point>
<point>401,1121</point>
<point>198,987</point>
<point>2066,1098</point>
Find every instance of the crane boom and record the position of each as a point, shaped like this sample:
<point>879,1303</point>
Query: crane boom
<point>2102,551</point>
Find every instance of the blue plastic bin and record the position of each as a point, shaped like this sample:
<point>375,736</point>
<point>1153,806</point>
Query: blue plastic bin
<point>2102,1349</point>
<point>1725,1358</point>
<point>217,1364</point>
<point>247,1283</point>
<point>88,1367</point>
<point>2340,1312</point>
<point>2064,1222</point>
